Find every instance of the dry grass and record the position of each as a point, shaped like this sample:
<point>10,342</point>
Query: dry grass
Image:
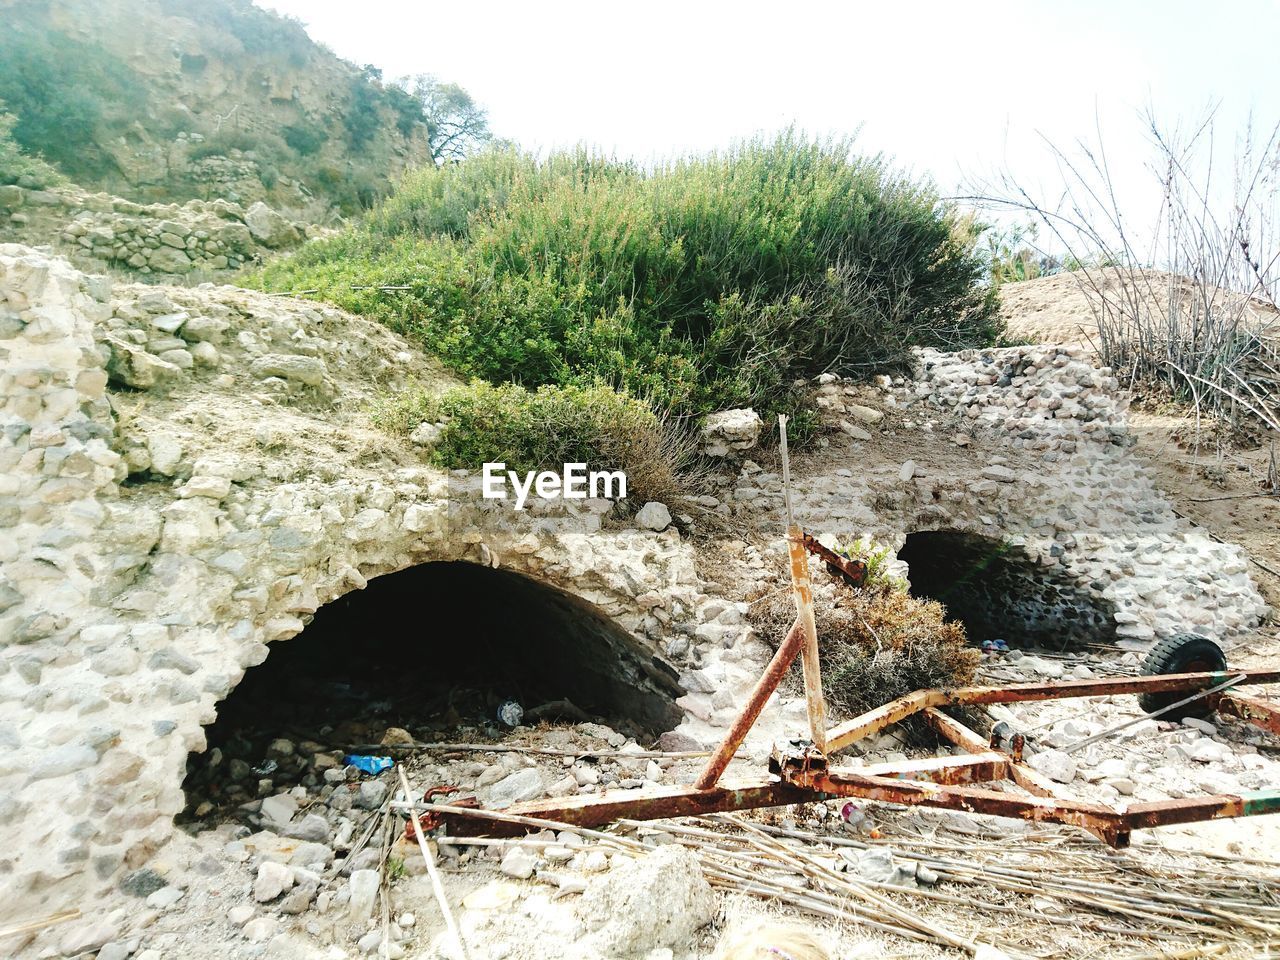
<point>876,644</point>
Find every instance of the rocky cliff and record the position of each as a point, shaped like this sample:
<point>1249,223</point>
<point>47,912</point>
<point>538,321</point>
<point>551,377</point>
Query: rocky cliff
<point>160,100</point>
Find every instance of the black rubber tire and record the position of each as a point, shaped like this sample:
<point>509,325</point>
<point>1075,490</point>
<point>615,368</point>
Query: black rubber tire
<point>1182,653</point>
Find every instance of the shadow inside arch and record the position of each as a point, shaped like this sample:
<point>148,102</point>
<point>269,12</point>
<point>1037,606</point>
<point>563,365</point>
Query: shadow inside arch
<point>430,649</point>
<point>998,591</point>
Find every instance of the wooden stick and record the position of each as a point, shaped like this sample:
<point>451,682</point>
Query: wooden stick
<point>31,926</point>
<point>430,860</point>
<point>803,590</point>
<point>540,751</point>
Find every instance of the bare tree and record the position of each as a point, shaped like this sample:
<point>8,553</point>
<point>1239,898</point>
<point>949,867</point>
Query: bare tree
<point>456,124</point>
<point>1188,300</point>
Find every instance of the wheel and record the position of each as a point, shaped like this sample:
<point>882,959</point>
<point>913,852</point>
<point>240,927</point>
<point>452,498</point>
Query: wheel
<point>1183,653</point>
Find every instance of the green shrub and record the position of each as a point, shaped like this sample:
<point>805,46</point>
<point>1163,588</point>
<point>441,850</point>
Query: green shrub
<point>61,90</point>
<point>304,140</point>
<point>16,166</point>
<point>546,428</point>
<point>711,282</point>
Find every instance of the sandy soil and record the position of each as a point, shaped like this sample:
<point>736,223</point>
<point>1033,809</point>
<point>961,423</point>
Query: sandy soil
<point>1063,308</point>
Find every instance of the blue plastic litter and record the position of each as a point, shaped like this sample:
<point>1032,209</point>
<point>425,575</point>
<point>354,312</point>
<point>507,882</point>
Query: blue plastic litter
<point>367,764</point>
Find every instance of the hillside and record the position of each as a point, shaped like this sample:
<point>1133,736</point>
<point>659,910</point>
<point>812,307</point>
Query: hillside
<point>164,100</point>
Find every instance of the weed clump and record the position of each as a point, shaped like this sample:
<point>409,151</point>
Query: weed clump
<point>546,428</point>
<point>876,643</point>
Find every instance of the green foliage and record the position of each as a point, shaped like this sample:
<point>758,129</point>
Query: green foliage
<point>304,139</point>
<point>876,558</point>
<point>706,283</point>
<point>544,429</point>
<point>1010,254</point>
<point>16,166</point>
<point>61,90</point>
<point>456,125</point>
<point>364,95</point>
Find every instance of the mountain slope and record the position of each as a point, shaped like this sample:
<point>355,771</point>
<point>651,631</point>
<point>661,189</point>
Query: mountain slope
<point>159,100</point>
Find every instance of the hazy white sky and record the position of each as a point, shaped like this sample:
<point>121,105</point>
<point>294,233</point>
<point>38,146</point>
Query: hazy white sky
<point>947,88</point>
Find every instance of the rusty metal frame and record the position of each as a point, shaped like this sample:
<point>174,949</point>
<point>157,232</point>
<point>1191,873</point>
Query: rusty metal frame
<point>800,773</point>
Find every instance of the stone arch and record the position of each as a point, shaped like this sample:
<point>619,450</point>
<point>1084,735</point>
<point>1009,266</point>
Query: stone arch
<point>418,644</point>
<point>998,589</point>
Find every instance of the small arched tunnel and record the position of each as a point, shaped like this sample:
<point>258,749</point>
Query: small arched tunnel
<point>999,592</point>
<point>429,649</point>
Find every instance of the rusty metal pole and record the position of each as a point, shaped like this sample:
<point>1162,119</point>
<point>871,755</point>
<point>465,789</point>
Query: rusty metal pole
<point>803,590</point>
<point>765,686</point>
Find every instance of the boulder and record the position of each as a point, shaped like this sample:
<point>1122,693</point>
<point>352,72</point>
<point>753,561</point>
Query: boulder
<point>728,431</point>
<point>660,900</point>
<point>131,366</point>
<point>270,228</point>
<point>653,516</point>
<point>308,370</point>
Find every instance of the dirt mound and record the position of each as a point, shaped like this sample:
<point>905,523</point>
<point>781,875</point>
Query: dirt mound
<point>1064,308</point>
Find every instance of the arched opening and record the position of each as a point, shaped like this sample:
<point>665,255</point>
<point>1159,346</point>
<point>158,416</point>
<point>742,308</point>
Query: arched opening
<point>434,650</point>
<point>999,592</point>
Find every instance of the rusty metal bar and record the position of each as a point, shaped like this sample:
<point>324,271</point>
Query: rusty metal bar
<point>966,768</point>
<point>956,732</point>
<point>760,694</point>
<point>853,572</point>
<point>1195,809</point>
<point>863,725</point>
<point>1065,690</point>
<point>894,711</point>
<point>594,810</point>
<point>1102,821</point>
<point>803,590</point>
<point>1258,712</point>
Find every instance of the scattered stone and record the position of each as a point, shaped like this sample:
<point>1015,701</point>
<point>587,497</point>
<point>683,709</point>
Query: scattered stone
<point>88,937</point>
<point>371,794</point>
<point>142,883</point>
<point>132,366</point>
<point>653,516</point>
<point>674,742</point>
<point>272,880</point>
<point>999,474</point>
<point>526,784</point>
<point>280,808</point>
<point>1054,764</point>
<point>312,827</point>
<point>660,900</point>
<point>519,862</point>
<point>363,887</point>
<point>270,228</point>
<point>729,431</point>
<point>164,897</point>
<point>260,929</point>
<point>306,370</point>
<point>240,915</point>
<point>864,414</point>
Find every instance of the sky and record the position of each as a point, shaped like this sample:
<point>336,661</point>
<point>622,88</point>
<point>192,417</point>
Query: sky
<point>956,90</point>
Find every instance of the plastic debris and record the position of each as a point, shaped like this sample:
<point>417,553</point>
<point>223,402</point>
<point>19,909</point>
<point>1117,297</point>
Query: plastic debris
<point>510,713</point>
<point>367,764</point>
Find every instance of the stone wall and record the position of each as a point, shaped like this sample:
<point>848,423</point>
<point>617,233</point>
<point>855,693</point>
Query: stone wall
<point>156,541</point>
<point>97,231</point>
<point>188,474</point>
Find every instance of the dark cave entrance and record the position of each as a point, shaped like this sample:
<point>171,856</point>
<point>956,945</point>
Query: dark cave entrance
<point>998,591</point>
<point>433,650</point>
